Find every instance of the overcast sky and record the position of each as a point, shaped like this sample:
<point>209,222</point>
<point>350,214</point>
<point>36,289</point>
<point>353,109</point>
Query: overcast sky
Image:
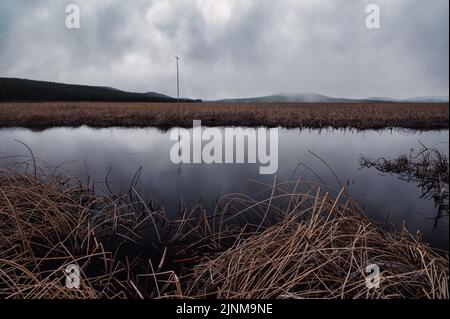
<point>232,48</point>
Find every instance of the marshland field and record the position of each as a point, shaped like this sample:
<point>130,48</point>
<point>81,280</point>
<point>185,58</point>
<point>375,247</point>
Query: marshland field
<point>165,115</point>
<point>92,184</point>
<point>198,150</point>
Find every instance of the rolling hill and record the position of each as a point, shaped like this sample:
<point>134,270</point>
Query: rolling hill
<point>318,98</point>
<point>22,90</point>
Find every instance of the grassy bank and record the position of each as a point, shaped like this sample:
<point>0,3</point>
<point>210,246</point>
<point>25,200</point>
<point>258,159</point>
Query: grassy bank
<point>285,244</point>
<point>165,115</point>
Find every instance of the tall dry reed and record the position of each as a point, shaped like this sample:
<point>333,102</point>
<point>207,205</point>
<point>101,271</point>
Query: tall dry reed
<point>292,240</point>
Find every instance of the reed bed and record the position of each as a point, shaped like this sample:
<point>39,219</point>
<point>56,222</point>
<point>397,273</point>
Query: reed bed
<point>167,115</point>
<point>319,246</point>
<point>50,222</point>
<point>428,168</point>
<point>290,240</point>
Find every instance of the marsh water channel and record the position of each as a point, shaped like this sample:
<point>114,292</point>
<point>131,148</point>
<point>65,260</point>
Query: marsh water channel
<point>143,154</point>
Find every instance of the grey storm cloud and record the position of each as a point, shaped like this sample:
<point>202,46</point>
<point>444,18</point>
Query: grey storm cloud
<point>232,48</point>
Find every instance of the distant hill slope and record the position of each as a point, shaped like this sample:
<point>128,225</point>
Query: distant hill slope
<point>317,98</point>
<point>16,90</point>
<point>428,99</point>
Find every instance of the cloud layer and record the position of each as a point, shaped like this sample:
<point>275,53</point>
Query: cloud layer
<point>232,48</point>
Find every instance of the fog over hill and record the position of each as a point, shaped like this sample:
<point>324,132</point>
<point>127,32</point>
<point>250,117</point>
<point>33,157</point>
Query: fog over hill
<point>13,89</point>
<point>318,98</point>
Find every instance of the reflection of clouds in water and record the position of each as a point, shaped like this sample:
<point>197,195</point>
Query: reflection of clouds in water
<point>125,150</point>
<point>96,146</point>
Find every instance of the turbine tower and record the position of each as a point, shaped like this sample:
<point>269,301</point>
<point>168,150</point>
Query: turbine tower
<point>178,102</point>
<point>178,84</point>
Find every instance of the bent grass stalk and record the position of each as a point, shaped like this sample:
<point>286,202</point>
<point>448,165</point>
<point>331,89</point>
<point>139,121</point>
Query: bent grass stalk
<point>287,243</point>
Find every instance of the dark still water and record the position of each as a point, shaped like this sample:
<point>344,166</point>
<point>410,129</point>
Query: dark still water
<point>121,152</point>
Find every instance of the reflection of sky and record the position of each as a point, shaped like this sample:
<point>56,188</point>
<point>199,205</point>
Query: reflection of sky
<point>125,150</point>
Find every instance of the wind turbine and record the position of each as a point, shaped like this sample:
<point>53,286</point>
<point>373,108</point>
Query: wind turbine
<point>178,102</point>
<point>178,84</point>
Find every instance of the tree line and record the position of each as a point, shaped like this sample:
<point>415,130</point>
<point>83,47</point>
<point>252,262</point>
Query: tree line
<point>16,90</point>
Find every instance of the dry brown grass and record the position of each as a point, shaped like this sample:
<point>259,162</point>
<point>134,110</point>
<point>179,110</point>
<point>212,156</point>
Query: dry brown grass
<point>320,248</point>
<point>50,222</point>
<point>164,115</point>
<point>286,244</point>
